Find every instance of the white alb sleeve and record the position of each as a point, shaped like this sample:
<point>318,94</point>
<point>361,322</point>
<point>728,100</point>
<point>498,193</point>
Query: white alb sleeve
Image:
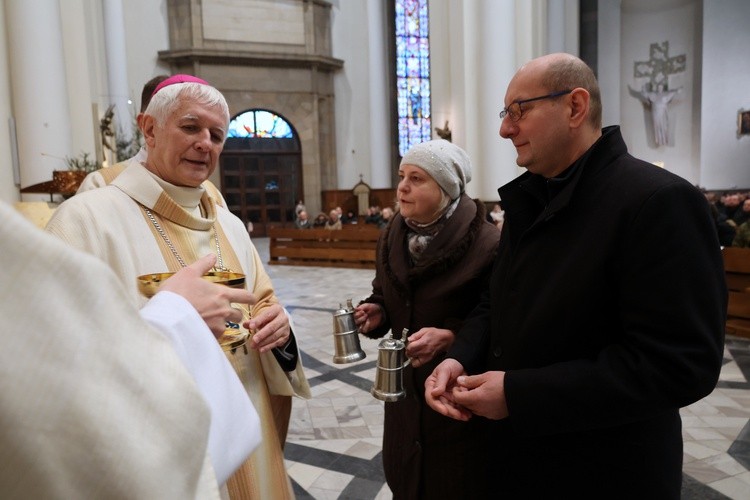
<point>235,425</point>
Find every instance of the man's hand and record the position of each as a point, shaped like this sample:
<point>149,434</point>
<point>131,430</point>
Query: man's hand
<point>424,344</point>
<point>368,316</point>
<point>271,328</point>
<point>212,300</point>
<point>440,387</point>
<point>482,394</point>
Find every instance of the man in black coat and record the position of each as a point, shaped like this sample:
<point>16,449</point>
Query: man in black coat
<point>604,312</point>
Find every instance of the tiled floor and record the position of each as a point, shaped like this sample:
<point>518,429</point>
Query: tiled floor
<point>333,449</point>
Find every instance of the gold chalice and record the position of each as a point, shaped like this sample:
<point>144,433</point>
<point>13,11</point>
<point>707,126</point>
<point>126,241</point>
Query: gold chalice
<point>233,337</point>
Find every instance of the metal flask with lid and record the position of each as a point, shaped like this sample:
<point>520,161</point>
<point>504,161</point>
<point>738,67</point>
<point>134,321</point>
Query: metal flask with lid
<point>389,374</point>
<point>346,336</point>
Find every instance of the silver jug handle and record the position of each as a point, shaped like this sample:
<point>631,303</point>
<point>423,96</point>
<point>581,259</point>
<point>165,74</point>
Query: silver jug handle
<point>405,340</point>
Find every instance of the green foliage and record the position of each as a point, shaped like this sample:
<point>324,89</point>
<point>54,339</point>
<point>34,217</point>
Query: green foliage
<point>82,163</point>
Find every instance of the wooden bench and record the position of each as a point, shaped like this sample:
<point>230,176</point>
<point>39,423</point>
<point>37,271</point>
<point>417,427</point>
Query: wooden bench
<point>737,272</point>
<point>350,247</point>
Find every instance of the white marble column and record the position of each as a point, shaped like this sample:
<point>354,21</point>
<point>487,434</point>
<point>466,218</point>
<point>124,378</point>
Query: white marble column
<point>530,22</point>
<point>490,66</point>
<point>38,86</point>
<point>380,135</point>
<point>8,179</point>
<point>608,61</point>
<point>562,26</point>
<point>117,74</point>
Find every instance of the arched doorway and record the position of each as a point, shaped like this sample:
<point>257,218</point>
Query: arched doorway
<point>261,169</point>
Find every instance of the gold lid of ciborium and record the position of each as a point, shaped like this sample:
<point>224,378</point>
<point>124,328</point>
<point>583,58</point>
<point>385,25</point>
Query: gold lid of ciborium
<point>233,337</point>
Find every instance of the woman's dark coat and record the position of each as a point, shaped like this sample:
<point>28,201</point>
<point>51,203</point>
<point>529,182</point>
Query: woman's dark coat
<point>426,455</point>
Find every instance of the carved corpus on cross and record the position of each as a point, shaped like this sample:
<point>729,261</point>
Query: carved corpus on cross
<point>656,94</point>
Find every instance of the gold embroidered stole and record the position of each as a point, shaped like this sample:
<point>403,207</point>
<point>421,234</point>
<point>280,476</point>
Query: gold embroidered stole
<point>263,475</point>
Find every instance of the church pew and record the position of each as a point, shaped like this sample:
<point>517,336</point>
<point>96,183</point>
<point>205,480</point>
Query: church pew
<point>737,273</point>
<point>354,248</point>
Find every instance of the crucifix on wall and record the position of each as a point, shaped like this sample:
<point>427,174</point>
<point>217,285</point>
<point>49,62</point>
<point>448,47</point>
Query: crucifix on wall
<point>656,93</point>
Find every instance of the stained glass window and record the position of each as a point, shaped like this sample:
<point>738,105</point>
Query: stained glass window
<point>260,123</point>
<point>412,73</point>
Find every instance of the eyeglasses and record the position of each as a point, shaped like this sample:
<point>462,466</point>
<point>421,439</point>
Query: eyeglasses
<point>514,110</point>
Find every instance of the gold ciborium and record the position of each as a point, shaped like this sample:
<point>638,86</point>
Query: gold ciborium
<point>233,337</point>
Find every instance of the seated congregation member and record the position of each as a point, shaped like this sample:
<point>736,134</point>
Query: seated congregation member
<point>334,221</point>
<point>385,217</point>
<point>431,262</point>
<point>729,205</point>
<point>742,236</point>
<point>743,214</point>
<point>101,401</point>
<point>156,216</point>
<point>320,221</point>
<point>349,217</point>
<point>724,230</point>
<point>373,215</point>
<point>105,175</point>
<point>303,221</point>
<point>604,312</point>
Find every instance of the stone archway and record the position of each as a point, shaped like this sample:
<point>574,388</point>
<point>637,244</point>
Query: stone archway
<point>261,169</point>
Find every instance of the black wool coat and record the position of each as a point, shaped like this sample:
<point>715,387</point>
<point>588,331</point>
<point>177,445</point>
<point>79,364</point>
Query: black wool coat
<point>426,455</point>
<point>606,309</point>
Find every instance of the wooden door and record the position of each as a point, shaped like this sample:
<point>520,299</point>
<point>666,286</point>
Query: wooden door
<point>262,187</point>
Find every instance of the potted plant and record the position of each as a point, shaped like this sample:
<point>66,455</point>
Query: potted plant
<point>67,181</point>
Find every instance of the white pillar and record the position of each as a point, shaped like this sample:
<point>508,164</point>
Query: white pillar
<point>117,74</point>
<point>530,26</point>
<point>380,131</point>
<point>608,60</point>
<point>490,66</point>
<point>38,86</point>
<point>555,27</point>
<point>8,180</point>
<point>83,70</point>
<point>562,26</point>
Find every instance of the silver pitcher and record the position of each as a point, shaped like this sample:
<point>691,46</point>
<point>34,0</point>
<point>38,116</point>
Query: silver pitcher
<point>346,336</point>
<point>389,375</point>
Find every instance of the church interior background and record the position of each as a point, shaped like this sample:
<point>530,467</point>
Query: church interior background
<point>325,95</point>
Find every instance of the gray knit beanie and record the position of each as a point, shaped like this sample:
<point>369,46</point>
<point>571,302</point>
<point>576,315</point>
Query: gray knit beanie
<point>445,162</point>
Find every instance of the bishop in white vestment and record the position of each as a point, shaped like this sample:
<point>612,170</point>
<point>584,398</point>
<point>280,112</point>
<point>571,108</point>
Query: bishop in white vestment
<point>156,217</point>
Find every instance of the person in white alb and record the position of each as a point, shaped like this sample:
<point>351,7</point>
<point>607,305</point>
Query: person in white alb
<point>99,401</point>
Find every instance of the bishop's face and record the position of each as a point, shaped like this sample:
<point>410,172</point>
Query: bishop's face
<point>185,149</point>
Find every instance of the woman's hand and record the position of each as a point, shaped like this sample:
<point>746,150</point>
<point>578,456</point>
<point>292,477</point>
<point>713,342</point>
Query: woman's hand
<point>368,316</point>
<point>426,343</point>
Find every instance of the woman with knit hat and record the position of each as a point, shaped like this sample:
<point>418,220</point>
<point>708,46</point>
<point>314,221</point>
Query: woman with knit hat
<point>432,259</point>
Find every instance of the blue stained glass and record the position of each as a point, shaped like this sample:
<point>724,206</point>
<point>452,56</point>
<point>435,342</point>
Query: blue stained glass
<point>412,73</point>
<point>260,123</point>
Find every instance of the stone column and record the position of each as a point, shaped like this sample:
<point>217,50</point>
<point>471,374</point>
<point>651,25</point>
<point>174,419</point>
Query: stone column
<point>117,74</point>
<point>493,25</point>
<point>562,26</point>
<point>8,173</point>
<point>39,90</point>
<point>380,144</point>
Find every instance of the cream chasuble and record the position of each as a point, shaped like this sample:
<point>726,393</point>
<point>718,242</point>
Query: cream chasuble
<point>94,403</point>
<point>110,222</point>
